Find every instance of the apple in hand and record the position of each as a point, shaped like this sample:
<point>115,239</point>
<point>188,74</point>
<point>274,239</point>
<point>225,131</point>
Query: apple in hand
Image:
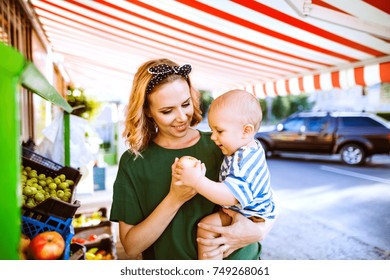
<point>187,161</point>
<point>48,245</point>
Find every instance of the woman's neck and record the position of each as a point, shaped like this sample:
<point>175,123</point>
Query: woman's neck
<point>188,140</point>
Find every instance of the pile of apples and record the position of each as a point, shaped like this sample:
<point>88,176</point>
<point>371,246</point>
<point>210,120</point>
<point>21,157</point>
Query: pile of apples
<point>38,187</point>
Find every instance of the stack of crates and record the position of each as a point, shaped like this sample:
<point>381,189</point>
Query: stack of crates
<point>94,231</point>
<point>52,214</point>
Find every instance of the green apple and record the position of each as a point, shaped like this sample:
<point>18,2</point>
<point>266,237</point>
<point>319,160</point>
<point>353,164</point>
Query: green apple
<point>27,191</point>
<point>39,197</point>
<point>52,186</point>
<point>62,177</point>
<point>60,193</point>
<point>63,185</point>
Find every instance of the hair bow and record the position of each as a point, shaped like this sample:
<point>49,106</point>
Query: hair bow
<point>162,71</point>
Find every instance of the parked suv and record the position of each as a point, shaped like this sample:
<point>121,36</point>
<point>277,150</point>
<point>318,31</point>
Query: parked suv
<point>355,136</point>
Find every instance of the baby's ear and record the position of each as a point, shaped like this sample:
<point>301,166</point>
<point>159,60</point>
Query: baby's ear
<point>248,130</point>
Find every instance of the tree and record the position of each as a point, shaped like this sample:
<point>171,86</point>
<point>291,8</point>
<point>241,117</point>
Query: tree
<point>280,107</point>
<point>205,100</point>
<point>299,103</point>
<point>264,108</point>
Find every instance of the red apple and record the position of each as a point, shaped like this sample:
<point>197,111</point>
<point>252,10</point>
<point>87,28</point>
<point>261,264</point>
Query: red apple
<point>188,161</point>
<point>48,245</point>
<point>23,246</point>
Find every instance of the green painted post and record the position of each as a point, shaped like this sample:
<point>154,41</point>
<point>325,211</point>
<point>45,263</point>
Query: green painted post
<point>67,138</point>
<point>11,66</point>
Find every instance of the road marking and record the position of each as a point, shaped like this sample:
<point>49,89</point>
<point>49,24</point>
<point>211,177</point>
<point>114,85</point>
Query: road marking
<point>355,174</point>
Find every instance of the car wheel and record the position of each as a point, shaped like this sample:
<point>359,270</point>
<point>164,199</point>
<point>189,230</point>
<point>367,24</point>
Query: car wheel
<point>353,154</point>
<point>267,152</point>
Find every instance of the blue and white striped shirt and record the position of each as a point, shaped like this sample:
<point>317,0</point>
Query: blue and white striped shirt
<point>246,175</point>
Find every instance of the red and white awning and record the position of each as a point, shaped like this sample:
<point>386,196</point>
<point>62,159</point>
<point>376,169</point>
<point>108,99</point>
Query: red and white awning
<point>275,47</point>
<point>343,79</point>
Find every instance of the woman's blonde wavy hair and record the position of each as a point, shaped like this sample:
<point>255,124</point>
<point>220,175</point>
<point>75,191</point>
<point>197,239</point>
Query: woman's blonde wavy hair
<point>140,129</point>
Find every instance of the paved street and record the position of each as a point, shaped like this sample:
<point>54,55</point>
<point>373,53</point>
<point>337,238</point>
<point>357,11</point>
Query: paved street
<point>330,211</point>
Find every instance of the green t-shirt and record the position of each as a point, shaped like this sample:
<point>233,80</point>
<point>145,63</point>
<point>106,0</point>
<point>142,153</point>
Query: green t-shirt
<point>142,184</point>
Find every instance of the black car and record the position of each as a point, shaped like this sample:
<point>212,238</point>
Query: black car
<point>355,136</point>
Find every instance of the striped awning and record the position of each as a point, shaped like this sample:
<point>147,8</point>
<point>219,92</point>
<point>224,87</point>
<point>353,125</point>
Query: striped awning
<point>344,79</point>
<point>272,47</point>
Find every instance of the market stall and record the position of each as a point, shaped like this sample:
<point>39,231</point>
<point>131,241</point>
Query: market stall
<point>39,197</point>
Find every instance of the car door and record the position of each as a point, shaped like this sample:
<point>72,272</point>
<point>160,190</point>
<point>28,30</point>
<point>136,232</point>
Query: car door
<point>288,136</point>
<point>317,134</point>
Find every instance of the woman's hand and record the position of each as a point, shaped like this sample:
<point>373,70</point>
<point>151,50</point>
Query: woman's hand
<point>179,191</point>
<point>240,233</point>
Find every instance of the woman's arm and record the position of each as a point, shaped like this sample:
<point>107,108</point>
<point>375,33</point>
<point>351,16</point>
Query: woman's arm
<point>194,176</point>
<point>137,238</point>
<point>240,233</point>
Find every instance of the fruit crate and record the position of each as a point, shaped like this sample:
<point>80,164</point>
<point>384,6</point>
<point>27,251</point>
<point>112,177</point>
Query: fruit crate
<point>90,223</point>
<point>106,244</point>
<point>93,235</point>
<point>52,168</point>
<point>77,252</point>
<point>52,206</point>
<point>34,222</point>
<point>30,154</point>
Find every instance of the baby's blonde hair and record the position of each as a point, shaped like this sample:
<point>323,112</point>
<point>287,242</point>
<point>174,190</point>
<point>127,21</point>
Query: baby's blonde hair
<point>241,104</point>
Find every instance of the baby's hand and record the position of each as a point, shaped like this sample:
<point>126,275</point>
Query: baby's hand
<point>188,170</point>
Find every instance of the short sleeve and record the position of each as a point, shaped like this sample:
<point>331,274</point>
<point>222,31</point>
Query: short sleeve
<point>125,204</point>
<point>237,181</point>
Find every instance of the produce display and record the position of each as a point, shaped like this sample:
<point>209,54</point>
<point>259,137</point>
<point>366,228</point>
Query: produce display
<point>88,219</point>
<point>91,238</point>
<point>37,187</point>
<point>94,231</point>
<point>47,209</point>
<point>51,229</point>
<point>95,253</point>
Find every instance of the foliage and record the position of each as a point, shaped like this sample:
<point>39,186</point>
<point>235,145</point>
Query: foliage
<point>299,103</point>
<point>205,100</point>
<point>384,115</point>
<point>82,105</point>
<point>280,107</point>
<point>284,106</point>
<point>264,109</point>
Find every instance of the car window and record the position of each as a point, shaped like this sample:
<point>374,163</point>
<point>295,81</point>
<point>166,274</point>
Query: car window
<point>293,124</point>
<point>358,122</point>
<point>316,124</point>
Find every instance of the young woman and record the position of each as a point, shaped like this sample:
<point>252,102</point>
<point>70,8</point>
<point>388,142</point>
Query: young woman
<point>157,217</point>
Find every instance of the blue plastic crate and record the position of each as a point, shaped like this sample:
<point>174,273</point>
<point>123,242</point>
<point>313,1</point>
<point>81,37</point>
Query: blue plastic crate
<point>32,226</point>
